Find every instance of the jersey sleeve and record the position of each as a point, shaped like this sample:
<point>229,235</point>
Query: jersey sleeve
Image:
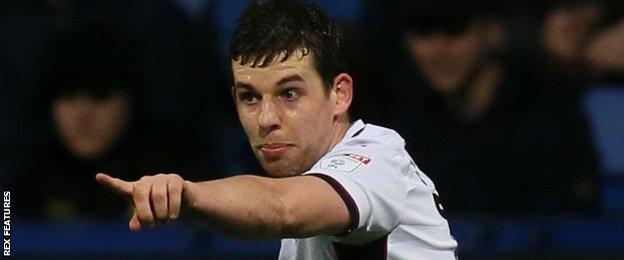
<point>372,188</point>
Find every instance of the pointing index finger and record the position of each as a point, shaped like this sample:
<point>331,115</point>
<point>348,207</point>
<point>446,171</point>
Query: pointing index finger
<point>115,184</point>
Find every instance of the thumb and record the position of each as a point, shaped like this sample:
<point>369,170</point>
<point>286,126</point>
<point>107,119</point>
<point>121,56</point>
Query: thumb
<point>114,184</point>
<point>135,224</point>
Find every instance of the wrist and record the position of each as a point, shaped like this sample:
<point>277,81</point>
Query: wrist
<point>189,198</point>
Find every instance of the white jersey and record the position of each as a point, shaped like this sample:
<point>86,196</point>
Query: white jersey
<point>393,205</point>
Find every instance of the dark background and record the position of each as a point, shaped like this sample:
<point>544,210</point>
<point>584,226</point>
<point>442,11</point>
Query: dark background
<point>560,195</point>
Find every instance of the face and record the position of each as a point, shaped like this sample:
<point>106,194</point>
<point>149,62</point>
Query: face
<point>448,60</point>
<point>89,127</point>
<point>287,112</point>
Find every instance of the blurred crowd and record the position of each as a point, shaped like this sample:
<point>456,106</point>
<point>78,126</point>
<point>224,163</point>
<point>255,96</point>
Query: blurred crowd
<point>487,94</point>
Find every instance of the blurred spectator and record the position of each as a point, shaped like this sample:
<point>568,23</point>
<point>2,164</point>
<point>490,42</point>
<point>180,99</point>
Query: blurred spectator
<point>93,80</point>
<point>566,29</point>
<point>480,119</point>
<point>182,81</point>
<point>584,40</point>
<point>605,51</point>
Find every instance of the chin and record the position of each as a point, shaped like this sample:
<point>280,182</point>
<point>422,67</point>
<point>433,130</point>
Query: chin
<point>281,173</point>
<point>85,153</point>
<point>280,170</point>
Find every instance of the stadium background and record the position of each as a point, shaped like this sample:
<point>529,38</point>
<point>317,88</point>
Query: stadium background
<point>184,98</point>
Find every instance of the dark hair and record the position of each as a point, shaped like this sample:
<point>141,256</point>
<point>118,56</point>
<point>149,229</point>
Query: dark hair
<point>93,59</point>
<point>270,28</point>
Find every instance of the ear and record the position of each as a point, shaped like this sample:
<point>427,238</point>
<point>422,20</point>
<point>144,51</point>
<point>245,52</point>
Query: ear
<point>342,93</point>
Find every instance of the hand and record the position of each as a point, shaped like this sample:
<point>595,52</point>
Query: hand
<point>156,199</point>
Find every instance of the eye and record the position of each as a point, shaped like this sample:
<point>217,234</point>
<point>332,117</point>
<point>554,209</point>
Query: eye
<point>290,94</point>
<point>248,98</point>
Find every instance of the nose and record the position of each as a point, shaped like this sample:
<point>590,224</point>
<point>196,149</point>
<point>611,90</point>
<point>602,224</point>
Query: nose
<point>268,118</point>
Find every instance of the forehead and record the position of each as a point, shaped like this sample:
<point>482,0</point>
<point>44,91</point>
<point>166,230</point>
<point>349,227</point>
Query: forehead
<point>296,64</point>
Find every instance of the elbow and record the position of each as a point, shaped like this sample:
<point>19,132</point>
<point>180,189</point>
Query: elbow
<point>277,220</point>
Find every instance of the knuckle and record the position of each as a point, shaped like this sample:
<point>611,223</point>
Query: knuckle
<point>172,178</point>
<point>141,190</point>
<point>175,187</point>
<point>158,197</point>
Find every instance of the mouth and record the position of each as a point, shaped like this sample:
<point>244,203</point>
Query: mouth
<point>274,150</point>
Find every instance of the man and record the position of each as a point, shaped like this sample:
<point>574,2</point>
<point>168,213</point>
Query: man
<point>583,43</point>
<point>91,82</point>
<point>336,189</point>
<point>480,117</point>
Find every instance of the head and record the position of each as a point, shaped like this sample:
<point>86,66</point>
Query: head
<point>90,74</point>
<point>89,125</point>
<point>568,29</point>
<point>449,40</point>
<point>291,89</point>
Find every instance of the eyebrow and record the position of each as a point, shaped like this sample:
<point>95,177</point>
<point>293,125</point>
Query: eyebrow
<point>289,79</point>
<point>244,86</point>
<point>282,81</point>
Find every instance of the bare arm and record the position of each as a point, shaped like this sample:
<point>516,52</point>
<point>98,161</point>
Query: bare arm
<point>244,206</point>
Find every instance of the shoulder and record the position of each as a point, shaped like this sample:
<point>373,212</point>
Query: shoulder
<point>375,137</point>
<point>370,146</point>
<point>375,154</point>
<point>372,156</point>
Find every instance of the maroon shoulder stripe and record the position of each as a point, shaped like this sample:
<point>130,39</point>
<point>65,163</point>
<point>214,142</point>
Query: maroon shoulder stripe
<point>354,213</point>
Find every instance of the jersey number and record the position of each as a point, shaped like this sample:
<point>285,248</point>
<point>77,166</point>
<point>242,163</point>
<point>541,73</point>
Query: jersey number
<point>438,204</point>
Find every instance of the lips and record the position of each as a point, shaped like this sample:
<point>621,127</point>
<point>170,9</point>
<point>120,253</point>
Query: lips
<point>274,150</point>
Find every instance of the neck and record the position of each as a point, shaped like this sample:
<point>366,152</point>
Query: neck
<point>340,127</point>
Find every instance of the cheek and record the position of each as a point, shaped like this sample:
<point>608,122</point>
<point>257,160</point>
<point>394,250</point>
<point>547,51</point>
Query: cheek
<point>318,122</point>
<point>467,52</point>
<point>248,121</point>
<point>430,50</point>
<point>65,118</point>
<point>423,53</point>
<point>110,121</point>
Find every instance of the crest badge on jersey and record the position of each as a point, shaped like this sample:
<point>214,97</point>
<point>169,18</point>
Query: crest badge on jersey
<point>344,162</point>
